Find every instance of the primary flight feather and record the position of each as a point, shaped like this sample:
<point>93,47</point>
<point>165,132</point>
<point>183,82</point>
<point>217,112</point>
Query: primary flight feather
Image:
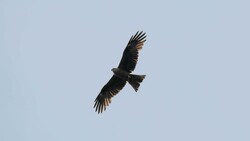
<point>122,74</point>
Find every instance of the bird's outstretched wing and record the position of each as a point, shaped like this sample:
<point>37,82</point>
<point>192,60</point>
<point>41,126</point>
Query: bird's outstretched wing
<point>130,54</point>
<point>114,85</point>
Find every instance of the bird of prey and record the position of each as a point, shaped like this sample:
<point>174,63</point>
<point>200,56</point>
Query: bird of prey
<point>122,74</point>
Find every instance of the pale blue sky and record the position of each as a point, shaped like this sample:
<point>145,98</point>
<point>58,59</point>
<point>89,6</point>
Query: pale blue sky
<point>55,56</point>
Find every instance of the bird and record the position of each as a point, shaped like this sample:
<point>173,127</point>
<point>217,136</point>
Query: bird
<point>123,73</point>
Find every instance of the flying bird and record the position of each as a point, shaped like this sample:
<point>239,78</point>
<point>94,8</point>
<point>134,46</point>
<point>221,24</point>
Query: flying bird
<point>122,74</point>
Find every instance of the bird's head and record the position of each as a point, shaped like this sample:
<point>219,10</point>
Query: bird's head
<point>114,69</point>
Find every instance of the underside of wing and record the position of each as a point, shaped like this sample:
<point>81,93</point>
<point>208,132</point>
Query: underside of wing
<point>130,54</point>
<point>114,85</point>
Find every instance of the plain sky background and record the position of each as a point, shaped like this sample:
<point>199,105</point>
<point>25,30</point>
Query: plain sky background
<point>55,56</point>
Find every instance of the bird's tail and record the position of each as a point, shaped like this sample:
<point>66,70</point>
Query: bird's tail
<point>135,80</point>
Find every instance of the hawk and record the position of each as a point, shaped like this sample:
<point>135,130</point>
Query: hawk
<point>122,74</point>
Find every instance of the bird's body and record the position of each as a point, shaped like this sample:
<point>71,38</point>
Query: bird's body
<point>122,74</point>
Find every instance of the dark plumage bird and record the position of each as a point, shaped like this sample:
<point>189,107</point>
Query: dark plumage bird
<point>122,74</point>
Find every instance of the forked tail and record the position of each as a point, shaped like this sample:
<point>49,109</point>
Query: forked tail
<point>135,80</point>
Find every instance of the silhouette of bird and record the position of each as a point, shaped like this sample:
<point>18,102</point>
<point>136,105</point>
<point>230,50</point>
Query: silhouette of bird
<point>122,74</point>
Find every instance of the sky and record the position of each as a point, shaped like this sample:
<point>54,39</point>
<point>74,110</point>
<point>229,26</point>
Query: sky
<point>56,55</point>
